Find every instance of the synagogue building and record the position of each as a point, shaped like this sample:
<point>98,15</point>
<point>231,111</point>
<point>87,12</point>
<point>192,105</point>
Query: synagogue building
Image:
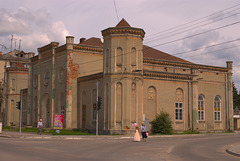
<point>136,82</point>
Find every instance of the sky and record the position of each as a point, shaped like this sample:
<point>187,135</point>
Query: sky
<point>203,32</point>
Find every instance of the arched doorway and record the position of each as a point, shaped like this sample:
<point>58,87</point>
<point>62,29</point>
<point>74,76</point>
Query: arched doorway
<point>46,111</point>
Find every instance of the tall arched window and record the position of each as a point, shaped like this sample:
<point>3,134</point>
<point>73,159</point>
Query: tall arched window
<point>133,103</point>
<point>107,57</point>
<point>179,104</point>
<point>119,57</point>
<point>12,110</point>
<point>217,108</point>
<point>151,108</point>
<point>201,107</point>
<point>133,57</point>
<point>119,103</point>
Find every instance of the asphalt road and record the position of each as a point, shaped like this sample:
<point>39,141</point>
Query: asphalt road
<point>172,148</point>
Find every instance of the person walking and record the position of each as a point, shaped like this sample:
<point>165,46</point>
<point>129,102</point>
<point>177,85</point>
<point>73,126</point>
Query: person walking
<point>136,135</point>
<point>39,126</point>
<point>144,132</point>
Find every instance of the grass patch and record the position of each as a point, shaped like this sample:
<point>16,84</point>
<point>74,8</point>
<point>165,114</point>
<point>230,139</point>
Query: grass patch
<point>49,131</point>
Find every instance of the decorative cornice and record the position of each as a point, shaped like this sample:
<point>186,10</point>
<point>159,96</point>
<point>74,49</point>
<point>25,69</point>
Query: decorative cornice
<point>167,75</point>
<point>90,77</point>
<point>61,48</point>
<point>48,47</point>
<point>123,30</point>
<point>87,48</point>
<point>17,69</point>
<point>14,59</point>
<point>186,65</point>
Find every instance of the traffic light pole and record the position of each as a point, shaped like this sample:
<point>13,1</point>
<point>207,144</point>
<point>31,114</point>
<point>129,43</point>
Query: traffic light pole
<point>97,111</point>
<point>20,113</point>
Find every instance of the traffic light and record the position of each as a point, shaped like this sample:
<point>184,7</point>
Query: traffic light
<point>18,105</point>
<point>99,103</point>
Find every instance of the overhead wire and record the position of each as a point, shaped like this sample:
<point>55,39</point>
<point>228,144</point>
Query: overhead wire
<point>194,20</point>
<point>174,34</point>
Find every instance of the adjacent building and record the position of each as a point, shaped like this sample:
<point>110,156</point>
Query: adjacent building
<point>13,77</point>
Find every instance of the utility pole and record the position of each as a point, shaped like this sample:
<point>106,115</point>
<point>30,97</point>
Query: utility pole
<point>20,124</point>
<point>97,110</point>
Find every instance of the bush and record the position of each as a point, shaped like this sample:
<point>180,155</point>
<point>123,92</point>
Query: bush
<point>162,124</point>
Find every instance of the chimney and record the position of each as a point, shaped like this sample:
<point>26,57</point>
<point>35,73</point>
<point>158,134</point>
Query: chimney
<point>82,40</point>
<point>69,39</point>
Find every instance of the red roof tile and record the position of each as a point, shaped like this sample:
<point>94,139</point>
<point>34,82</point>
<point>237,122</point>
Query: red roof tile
<point>93,42</point>
<point>152,53</point>
<point>123,23</point>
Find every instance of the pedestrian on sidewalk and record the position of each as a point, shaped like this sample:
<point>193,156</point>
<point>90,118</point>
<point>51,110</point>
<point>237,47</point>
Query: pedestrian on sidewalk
<point>144,132</point>
<point>39,126</point>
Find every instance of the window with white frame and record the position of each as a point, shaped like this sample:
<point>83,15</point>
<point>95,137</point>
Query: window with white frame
<point>201,107</point>
<point>217,108</point>
<point>178,111</point>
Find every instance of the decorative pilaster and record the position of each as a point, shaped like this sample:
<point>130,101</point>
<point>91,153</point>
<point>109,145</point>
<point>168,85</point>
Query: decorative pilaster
<point>230,94</point>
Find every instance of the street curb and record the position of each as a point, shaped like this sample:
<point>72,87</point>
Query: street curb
<point>231,151</point>
<point>69,137</point>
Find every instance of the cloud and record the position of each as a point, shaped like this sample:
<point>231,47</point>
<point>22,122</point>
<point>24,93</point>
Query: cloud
<point>214,56</point>
<point>34,28</point>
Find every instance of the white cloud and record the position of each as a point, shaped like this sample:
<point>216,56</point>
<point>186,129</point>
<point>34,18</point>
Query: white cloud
<point>34,28</point>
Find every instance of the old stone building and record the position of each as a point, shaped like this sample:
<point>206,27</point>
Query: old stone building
<point>135,81</point>
<point>14,77</point>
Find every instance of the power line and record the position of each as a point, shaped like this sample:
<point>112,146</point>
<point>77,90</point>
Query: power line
<point>197,34</point>
<point>116,9</point>
<point>212,51</point>
<point>195,20</point>
<point>174,34</point>
<point>226,42</point>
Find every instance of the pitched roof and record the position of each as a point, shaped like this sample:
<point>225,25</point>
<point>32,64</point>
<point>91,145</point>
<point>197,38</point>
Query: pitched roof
<point>123,23</point>
<point>152,53</point>
<point>93,42</point>
<point>148,52</point>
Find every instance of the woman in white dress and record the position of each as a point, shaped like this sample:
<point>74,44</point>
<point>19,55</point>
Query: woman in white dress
<point>136,135</point>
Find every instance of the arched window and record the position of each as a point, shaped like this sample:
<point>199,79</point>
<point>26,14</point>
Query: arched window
<point>179,104</point>
<point>119,103</point>
<point>107,57</point>
<point>133,57</point>
<point>119,56</point>
<point>13,84</point>
<point>201,107</point>
<point>217,108</point>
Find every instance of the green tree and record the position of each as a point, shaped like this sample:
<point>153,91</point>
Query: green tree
<point>162,124</point>
<point>236,98</point>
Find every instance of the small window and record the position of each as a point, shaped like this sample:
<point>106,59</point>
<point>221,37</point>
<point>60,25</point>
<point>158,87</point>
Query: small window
<point>179,111</point>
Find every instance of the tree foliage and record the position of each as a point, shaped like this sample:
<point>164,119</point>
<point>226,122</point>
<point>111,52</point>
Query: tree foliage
<point>162,124</point>
<point>236,98</point>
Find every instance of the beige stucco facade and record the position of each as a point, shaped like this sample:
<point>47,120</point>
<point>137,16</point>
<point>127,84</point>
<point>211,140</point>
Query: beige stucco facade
<point>136,82</point>
<point>13,77</point>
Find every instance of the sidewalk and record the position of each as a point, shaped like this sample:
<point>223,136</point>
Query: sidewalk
<point>233,149</point>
